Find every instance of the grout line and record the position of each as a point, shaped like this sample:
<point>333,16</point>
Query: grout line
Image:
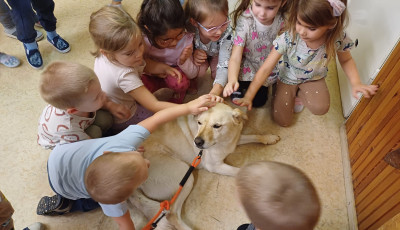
<point>348,181</point>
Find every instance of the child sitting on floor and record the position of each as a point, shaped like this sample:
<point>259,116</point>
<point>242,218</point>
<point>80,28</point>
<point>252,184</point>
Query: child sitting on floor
<point>107,170</point>
<point>75,97</point>
<point>277,196</point>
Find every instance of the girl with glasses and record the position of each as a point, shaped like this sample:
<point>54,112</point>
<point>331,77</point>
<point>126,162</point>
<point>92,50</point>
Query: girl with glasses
<point>167,44</point>
<point>257,23</point>
<point>213,39</point>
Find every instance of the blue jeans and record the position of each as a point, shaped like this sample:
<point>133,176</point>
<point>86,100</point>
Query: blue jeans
<point>82,205</point>
<point>21,11</point>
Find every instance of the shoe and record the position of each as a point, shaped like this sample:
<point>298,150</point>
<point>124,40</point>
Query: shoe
<point>35,226</point>
<point>55,205</point>
<point>60,44</point>
<point>298,105</point>
<point>236,96</point>
<point>34,58</point>
<point>8,60</point>
<point>13,34</point>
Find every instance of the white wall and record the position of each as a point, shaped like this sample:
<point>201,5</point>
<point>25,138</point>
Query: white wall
<point>376,24</point>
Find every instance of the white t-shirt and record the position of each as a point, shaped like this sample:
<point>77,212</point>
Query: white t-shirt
<point>56,126</point>
<point>117,81</point>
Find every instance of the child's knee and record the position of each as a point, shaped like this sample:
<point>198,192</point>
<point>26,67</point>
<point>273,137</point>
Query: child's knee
<point>172,83</point>
<point>318,109</point>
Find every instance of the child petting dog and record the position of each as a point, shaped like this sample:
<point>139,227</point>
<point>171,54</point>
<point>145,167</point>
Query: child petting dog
<point>105,171</point>
<point>277,196</point>
<point>75,98</point>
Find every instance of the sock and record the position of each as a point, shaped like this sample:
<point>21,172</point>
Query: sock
<point>51,34</point>
<point>31,46</point>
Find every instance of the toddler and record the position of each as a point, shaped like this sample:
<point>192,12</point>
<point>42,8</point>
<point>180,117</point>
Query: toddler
<point>212,40</point>
<point>75,97</point>
<point>257,24</point>
<point>119,64</point>
<point>167,45</point>
<point>107,170</point>
<point>277,196</point>
<point>316,34</point>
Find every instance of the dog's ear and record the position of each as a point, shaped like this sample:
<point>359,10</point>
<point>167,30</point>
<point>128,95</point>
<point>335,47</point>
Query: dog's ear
<point>238,116</point>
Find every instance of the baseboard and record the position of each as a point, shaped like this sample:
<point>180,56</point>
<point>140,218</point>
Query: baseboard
<point>348,181</point>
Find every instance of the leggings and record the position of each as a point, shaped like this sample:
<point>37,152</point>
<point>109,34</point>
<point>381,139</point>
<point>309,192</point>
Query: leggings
<point>313,94</point>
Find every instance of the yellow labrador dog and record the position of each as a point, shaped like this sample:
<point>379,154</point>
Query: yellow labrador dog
<point>217,132</point>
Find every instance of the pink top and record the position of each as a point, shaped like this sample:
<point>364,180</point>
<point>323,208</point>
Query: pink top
<point>170,56</point>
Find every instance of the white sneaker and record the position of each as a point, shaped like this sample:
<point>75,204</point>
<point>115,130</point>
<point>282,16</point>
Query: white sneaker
<point>12,33</point>
<point>298,105</point>
<point>35,226</point>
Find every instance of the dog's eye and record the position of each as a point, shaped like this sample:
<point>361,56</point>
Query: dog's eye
<point>198,122</point>
<point>216,126</point>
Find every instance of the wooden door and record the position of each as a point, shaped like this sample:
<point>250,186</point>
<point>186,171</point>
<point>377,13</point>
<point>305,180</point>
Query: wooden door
<point>373,131</point>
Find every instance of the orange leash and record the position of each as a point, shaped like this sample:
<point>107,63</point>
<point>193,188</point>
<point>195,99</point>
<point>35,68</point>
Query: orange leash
<point>166,205</point>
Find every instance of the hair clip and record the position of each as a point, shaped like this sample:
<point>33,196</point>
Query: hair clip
<point>338,7</point>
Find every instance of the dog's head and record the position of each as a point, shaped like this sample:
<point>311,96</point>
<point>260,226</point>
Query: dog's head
<point>220,125</point>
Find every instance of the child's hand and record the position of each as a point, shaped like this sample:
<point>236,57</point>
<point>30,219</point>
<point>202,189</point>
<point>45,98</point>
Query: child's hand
<point>202,103</point>
<point>243,102</point>
<point>199,57</point>
<point>230,88</point>
<point>186,53</point>
<point>366,90</point>
<point>168,70</point>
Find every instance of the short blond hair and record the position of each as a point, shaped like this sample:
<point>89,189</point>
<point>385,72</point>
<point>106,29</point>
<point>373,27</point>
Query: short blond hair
<point>62,84</point>
<point>112,29</point>
<point>278,196</point>
<point>109,179</point>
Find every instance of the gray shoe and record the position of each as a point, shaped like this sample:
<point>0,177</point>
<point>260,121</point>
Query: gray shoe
<point>12,33</point>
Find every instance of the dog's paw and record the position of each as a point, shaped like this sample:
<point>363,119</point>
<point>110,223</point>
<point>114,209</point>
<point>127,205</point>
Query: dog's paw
<point>270,139</point>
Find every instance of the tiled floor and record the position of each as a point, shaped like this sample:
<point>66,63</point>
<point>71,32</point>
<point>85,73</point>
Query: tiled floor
<point>312,143</point>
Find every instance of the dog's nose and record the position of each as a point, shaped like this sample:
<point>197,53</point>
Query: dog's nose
<point>199,142</point>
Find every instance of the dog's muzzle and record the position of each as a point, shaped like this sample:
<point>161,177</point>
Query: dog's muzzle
<point>199,142</point>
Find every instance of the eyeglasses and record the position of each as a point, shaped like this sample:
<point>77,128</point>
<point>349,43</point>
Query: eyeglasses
<point>168,41</point>
<point>213,29</point>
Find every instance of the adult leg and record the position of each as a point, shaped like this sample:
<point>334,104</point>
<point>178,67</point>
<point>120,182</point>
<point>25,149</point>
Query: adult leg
<point>283,103</point>
<point>5,16</point>
<point>315,96</point>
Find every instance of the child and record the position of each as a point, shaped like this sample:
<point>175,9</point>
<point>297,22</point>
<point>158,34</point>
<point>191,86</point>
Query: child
<point>315,34</point>
<point>277,196</point>
<point>74,95</point>
<point>213,39</point>
<point>119,64</point>
<point>257,24</point>
<point>6,212</point>
<point>107,170</point>
<point>167,44</point>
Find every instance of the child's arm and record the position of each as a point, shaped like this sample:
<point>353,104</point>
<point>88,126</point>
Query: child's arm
<point>233,70</point>
<point>217,89</point>
<point>194,107</point>
<point>349,67</point>
<point>186,53</point>
<point>148,100</point>
<point>261,75</point>
<point>161,69</point>
<point>125,222</point>
<point>117,110</point>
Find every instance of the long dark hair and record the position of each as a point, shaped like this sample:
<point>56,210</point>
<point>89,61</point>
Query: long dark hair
<point>156,17</point>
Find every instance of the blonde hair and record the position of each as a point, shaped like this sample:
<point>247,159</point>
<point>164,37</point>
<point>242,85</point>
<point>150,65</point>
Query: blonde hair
<point>62,83</point>
<point>244,4</point>
<point>278,196</point>
<point>319,13</point>
<point>199,10</point>
<point>112,29</point>
<point>109,179</point>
